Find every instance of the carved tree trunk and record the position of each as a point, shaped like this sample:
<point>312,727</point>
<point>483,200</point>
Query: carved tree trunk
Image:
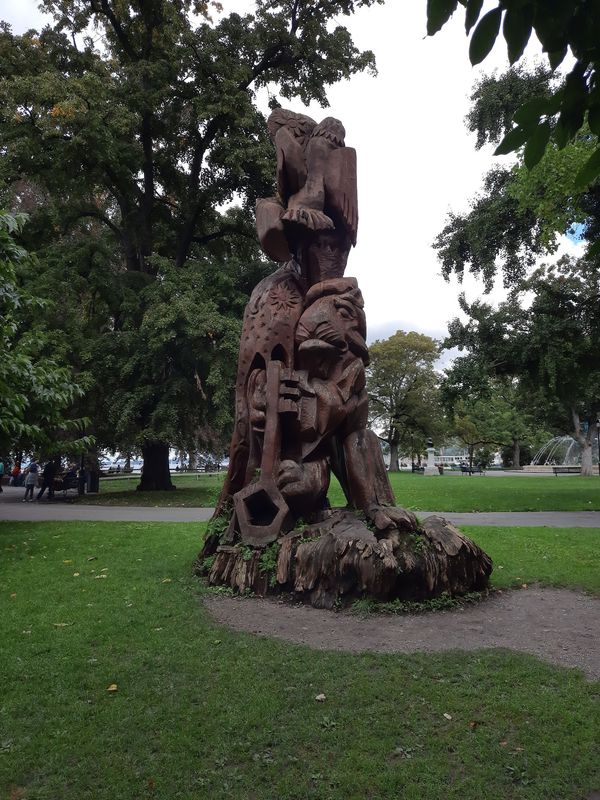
<point>340,559</point>
<point>156,475</point>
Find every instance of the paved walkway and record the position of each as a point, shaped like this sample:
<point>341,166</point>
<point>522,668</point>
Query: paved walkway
<point>11,508</point>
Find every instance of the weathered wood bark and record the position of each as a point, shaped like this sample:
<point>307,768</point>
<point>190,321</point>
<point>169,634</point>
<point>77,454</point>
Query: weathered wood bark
<point>156,475</point>
<point>394,467</point>
<point>341,559</point>
<point>516,457</point>
<point>584,438</point>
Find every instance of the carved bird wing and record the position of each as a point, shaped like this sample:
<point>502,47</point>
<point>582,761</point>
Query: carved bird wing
<point>341,201</point>
<point>291,164</point>
<point>290,132</point>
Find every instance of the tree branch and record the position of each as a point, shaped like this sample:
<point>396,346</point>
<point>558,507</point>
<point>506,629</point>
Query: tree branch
<point>102,7</point>
<point>96,215</point>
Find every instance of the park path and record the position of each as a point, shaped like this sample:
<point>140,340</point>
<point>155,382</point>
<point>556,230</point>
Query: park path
<point>11,508</point>
<point>557,625</point>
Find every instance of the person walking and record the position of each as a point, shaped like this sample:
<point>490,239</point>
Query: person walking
<point>31,476</point>
<point>1,474</point>
<point>48,480</point>
<point>15,475</point>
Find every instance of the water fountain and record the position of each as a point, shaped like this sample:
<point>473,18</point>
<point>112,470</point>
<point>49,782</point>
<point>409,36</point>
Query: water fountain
<point>560,451</point>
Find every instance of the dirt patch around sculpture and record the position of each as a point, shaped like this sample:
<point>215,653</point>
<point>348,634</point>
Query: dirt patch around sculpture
<point>557,625</point>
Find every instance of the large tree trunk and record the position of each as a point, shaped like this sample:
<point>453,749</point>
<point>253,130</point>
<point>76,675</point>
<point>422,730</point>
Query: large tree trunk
<point>586,457</point>
<point>394,457</point>
<point>584,439</point>
<point>155,473</point>
<point>516,457</point>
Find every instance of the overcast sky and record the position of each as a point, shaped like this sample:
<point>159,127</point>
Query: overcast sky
<point>416,160</point>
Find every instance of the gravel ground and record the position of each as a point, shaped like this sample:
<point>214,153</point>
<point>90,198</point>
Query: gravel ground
<point>557,625</point>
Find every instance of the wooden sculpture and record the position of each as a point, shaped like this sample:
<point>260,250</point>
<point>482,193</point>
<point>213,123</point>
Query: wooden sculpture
<point>302,407</point>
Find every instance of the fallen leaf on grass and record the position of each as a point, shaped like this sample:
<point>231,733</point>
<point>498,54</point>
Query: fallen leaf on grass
<point>503,743</point>
<point>97,577</point>
<point>157,629</point>
<point>320,698</point>
<point>25,631</point>
<point>112,688</point>
<point>75,574</point>
<point>447,716</point>
<point>68,561</point>
<point>473,724</point>
<point>62,624</point>
<point>92,558</point>
<point>166,580</point>
<point>13,595</point>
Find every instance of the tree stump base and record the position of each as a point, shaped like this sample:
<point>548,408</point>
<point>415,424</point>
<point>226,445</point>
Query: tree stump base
<point>340,559</point>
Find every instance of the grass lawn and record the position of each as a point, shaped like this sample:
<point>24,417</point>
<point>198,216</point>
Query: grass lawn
<point>438,493</point>
<point>202,712</point>
<point>193,491</point>
<point>565,557</point>
<point>455,492</point>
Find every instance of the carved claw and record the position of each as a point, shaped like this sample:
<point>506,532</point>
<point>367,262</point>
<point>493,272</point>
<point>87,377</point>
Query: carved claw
<point>385,518</point>
<point>309,218</point>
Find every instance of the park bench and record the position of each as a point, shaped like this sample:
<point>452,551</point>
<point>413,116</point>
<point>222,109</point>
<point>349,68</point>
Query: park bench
<point>466,470</point>
<point>566,471</point>
<point>418,469</point>
<point>64,485</point>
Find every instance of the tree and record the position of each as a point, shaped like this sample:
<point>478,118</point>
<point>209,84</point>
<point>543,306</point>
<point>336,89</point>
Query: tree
<point>550,346</point>
<point>404,390</point>
<point>36,396</point>
<point>504,407</point>
<point>132,150</point>
<point>520,213</point>
<point>557,116</point>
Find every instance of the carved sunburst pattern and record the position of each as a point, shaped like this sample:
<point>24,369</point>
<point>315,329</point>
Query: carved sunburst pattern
<point>284,296</point>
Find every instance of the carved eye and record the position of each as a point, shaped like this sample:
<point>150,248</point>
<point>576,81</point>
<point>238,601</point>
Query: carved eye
<point>345,309</point>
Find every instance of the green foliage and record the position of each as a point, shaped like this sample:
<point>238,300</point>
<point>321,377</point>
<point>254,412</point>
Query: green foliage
<point>445,602</point>
<point>246,552</point>
<point>218,526</point>
<point>403,391</point>
<point>36,395</point>
<point>417,543</point>
<point>207,564</point>
<point>550,346</point>
<point>496,230</point>
<point>267,562</point>
<point>139,153</point>
<point>569,25</point>
<point>496,98</point>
